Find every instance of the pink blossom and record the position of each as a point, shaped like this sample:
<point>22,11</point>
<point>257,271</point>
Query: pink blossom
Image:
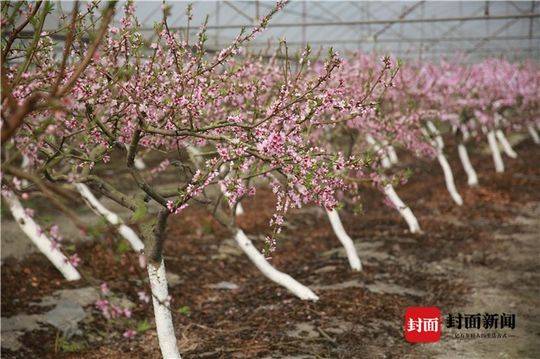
<point>127,312</point>
<point>143,297</point>
<point>103,306</point>
<point>74,260</point>
<point>104,288</point>
<point>130,333</point>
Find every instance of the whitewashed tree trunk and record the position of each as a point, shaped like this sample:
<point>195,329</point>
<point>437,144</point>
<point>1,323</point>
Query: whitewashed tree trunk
<point>139,163</point>
<point>497,159</point>
<point>438,139</point>
<point>403,209</point>
<point>345,240</point>
<point>385,161</point>
<point>194,153</point>
<point>113,218</point>
<point>472,177</point>
<point>239,209</point>
<point>162,312</point>
<point>449,179</point>
<point>283,279</point>
<point>534,134</point>
<point>392,154</point>
<point>258,259</point>
<point>44,244</point>
<point>507,147</point>
<point>24,165</point>
<point>447,170</point>
<point>465,131</point>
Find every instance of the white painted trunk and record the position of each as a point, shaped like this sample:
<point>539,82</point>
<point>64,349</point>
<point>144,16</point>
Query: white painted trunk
<point>534,134</point>
<point>449,179</point>
<point>24,165</point>
<point>162,313</point>
<point>472,178</point>
<point>44,244</point>
<point>497,159</point>
<point>111,217</point>
<point>507,147</point>
<point>384,158</point>
<point>405,211</point>
<point>392,155</point>
<point>283,279</point>
<point>239,209</point>
<point>447,170</point>
<point>465,132</point>
<point>386,162</point>
<point>438,139</point>
<point>139,163</point>
<point>345,240</point>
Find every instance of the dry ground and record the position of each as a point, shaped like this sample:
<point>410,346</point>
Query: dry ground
<point>482,257</point>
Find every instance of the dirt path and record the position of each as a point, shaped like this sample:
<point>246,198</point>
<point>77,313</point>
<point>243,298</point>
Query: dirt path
<point>508,282</point>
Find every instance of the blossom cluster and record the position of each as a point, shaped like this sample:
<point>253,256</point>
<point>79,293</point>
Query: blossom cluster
<point>490,94</point>
<point>224,119</point>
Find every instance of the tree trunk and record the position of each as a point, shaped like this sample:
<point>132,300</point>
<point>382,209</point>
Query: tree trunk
<point>385,161</point>
<point>472,177</point>
<point>239,209</point>
<point>497,159</point>
<point>111,217</point>
<point>507,147</point>
<point>447,170</point>
<point>158,285</point>
<point>392,154</point>
<point>405,211</point>
<point>449,178</point>
<point>44,244</point>
<point>283,279</point>
<point>345,240</point>
<point>534,134</point>
<point>162,312</point>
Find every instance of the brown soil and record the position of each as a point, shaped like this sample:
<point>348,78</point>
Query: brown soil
<point>261,319</point>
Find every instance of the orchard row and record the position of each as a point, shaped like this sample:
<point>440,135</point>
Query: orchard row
<point>76,107</point>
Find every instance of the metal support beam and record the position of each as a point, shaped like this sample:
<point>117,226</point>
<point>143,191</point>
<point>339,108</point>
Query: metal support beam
<point>405,12</point>
<point>368,13</point>
<point>407,40</point>
<point>288,10</point>
<point>490,37</point>
<point>238,10</point>
<point>257,10</point>
<point>533,4</point>
<point>451,30</point>
<point>379,22</point>
<point>501,50</point>
<point>304,14</point>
